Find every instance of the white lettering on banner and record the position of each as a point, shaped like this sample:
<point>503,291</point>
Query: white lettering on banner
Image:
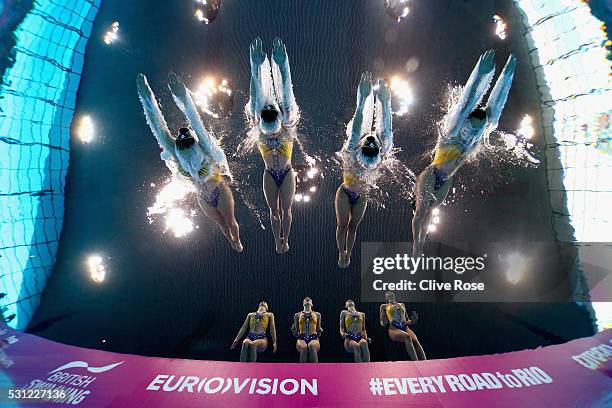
<point>220,385</point>
<point>518,378</point>
<point>595,357</point>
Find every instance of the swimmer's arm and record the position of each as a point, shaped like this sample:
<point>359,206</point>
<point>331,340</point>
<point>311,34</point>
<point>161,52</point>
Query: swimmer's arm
<point>294,328</point>
<point>154,116</point>
<point>182,98</point>
<point>243,330</point>
<point>364,93</point>
<point>257,58</point>
<point>499,94</point>
<point>281,61</point>
<point>363,326</point>
<point>343,333</point>
<point>272,329</point>
<point>474,90</point>
<point>319,328</point>
<point>383,316</point>
<point>384,119</point>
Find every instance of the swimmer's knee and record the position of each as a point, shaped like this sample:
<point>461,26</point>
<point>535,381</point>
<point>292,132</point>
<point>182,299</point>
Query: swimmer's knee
<point>352,225</point>
<point>343,225</point>
<point>275,213</point>
<point>363,342</point>
<point>312,346</point>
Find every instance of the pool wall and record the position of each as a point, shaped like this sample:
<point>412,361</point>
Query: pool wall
<point>37,102</point>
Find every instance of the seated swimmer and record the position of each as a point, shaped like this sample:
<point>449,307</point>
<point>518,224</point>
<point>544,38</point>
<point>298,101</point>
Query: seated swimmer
<point>353,331</point>
<point>467,125</point>
<point>256,327</point>
<point>195,154</point>
<point>274,114</point>
<point>393,315</point>
<point>361,156</point>
<point>307,329</point>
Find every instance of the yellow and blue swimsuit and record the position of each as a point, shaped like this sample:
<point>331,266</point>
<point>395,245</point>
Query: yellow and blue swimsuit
<point>444,154</point>
<point>391,308</point>
<point>349,178</point>
<point>258,326</point>
<point>306,322</point>
<point>274,145</point>
<point>213,173</point>
<point>353,319</point>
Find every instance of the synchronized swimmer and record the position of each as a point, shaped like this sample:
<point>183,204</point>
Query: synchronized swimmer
<point>361,156</point>
<point>274,115</point>
<point>307,330</point>
<point>465,128</point>
<point>194,154</point>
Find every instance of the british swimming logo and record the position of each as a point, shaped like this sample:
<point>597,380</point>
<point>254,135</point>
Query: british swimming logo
<point>70,383</point>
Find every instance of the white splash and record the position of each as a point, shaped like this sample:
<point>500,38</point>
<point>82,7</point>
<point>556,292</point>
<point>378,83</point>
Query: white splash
<point>526,127</point>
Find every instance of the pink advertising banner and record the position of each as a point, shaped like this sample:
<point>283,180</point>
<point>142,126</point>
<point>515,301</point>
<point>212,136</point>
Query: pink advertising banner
<point>42,373</point>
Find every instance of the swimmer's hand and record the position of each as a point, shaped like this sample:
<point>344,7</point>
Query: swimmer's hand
<point>485,63</point>
<point>510,65</point>
<point>257,55</point>
<point>234,344</point>
<point>383,91</point>
<point>365,87</point>
<point>369,340</point>
<point>142,85</point>
<point>279,52</point>
<point>414,317</point>
<point>176,85</point>
<point>274,347</point>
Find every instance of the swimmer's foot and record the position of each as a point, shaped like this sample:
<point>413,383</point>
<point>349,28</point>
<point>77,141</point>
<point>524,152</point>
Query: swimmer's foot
<point>285,245</point>
<point>237,245</point>
<point>279,246</point>
<point>342,263</point>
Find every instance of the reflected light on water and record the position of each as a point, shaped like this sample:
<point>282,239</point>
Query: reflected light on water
<point>402,92</point>
<point>86,131</point>
<point>178,222</point>
<point>501,28</point>
<point>212,92</point>
<point>515,264</point>
<point>167,200</point>
<point>97,270</point>
<point>112,34</point>
<point>526,127</point>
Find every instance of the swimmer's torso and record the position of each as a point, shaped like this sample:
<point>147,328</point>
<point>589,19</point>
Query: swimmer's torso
<point>276,150</point>
<point>199,167</point>
<point>354,175</point>
<point>395,312</point>
<point>353,322</point>
<point>307,323</point>
<point>451,153</point>
<point>258,322</point>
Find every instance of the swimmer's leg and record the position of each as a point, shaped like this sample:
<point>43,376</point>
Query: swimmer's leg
<point>214,215</point>
<point>271,192</point>
<point>351,346</point>
<point>417,345</point>
<point>365,350</point>
<point>226,209</point>
<point>244,352</point>
<point>420,221</point>
<point>313,351</point>
<point>287,192</point>
<point>257,346</point>
<point>343,214</point>
<point>302,348</point>
<point>403,337</point>
<point>357,213</point>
